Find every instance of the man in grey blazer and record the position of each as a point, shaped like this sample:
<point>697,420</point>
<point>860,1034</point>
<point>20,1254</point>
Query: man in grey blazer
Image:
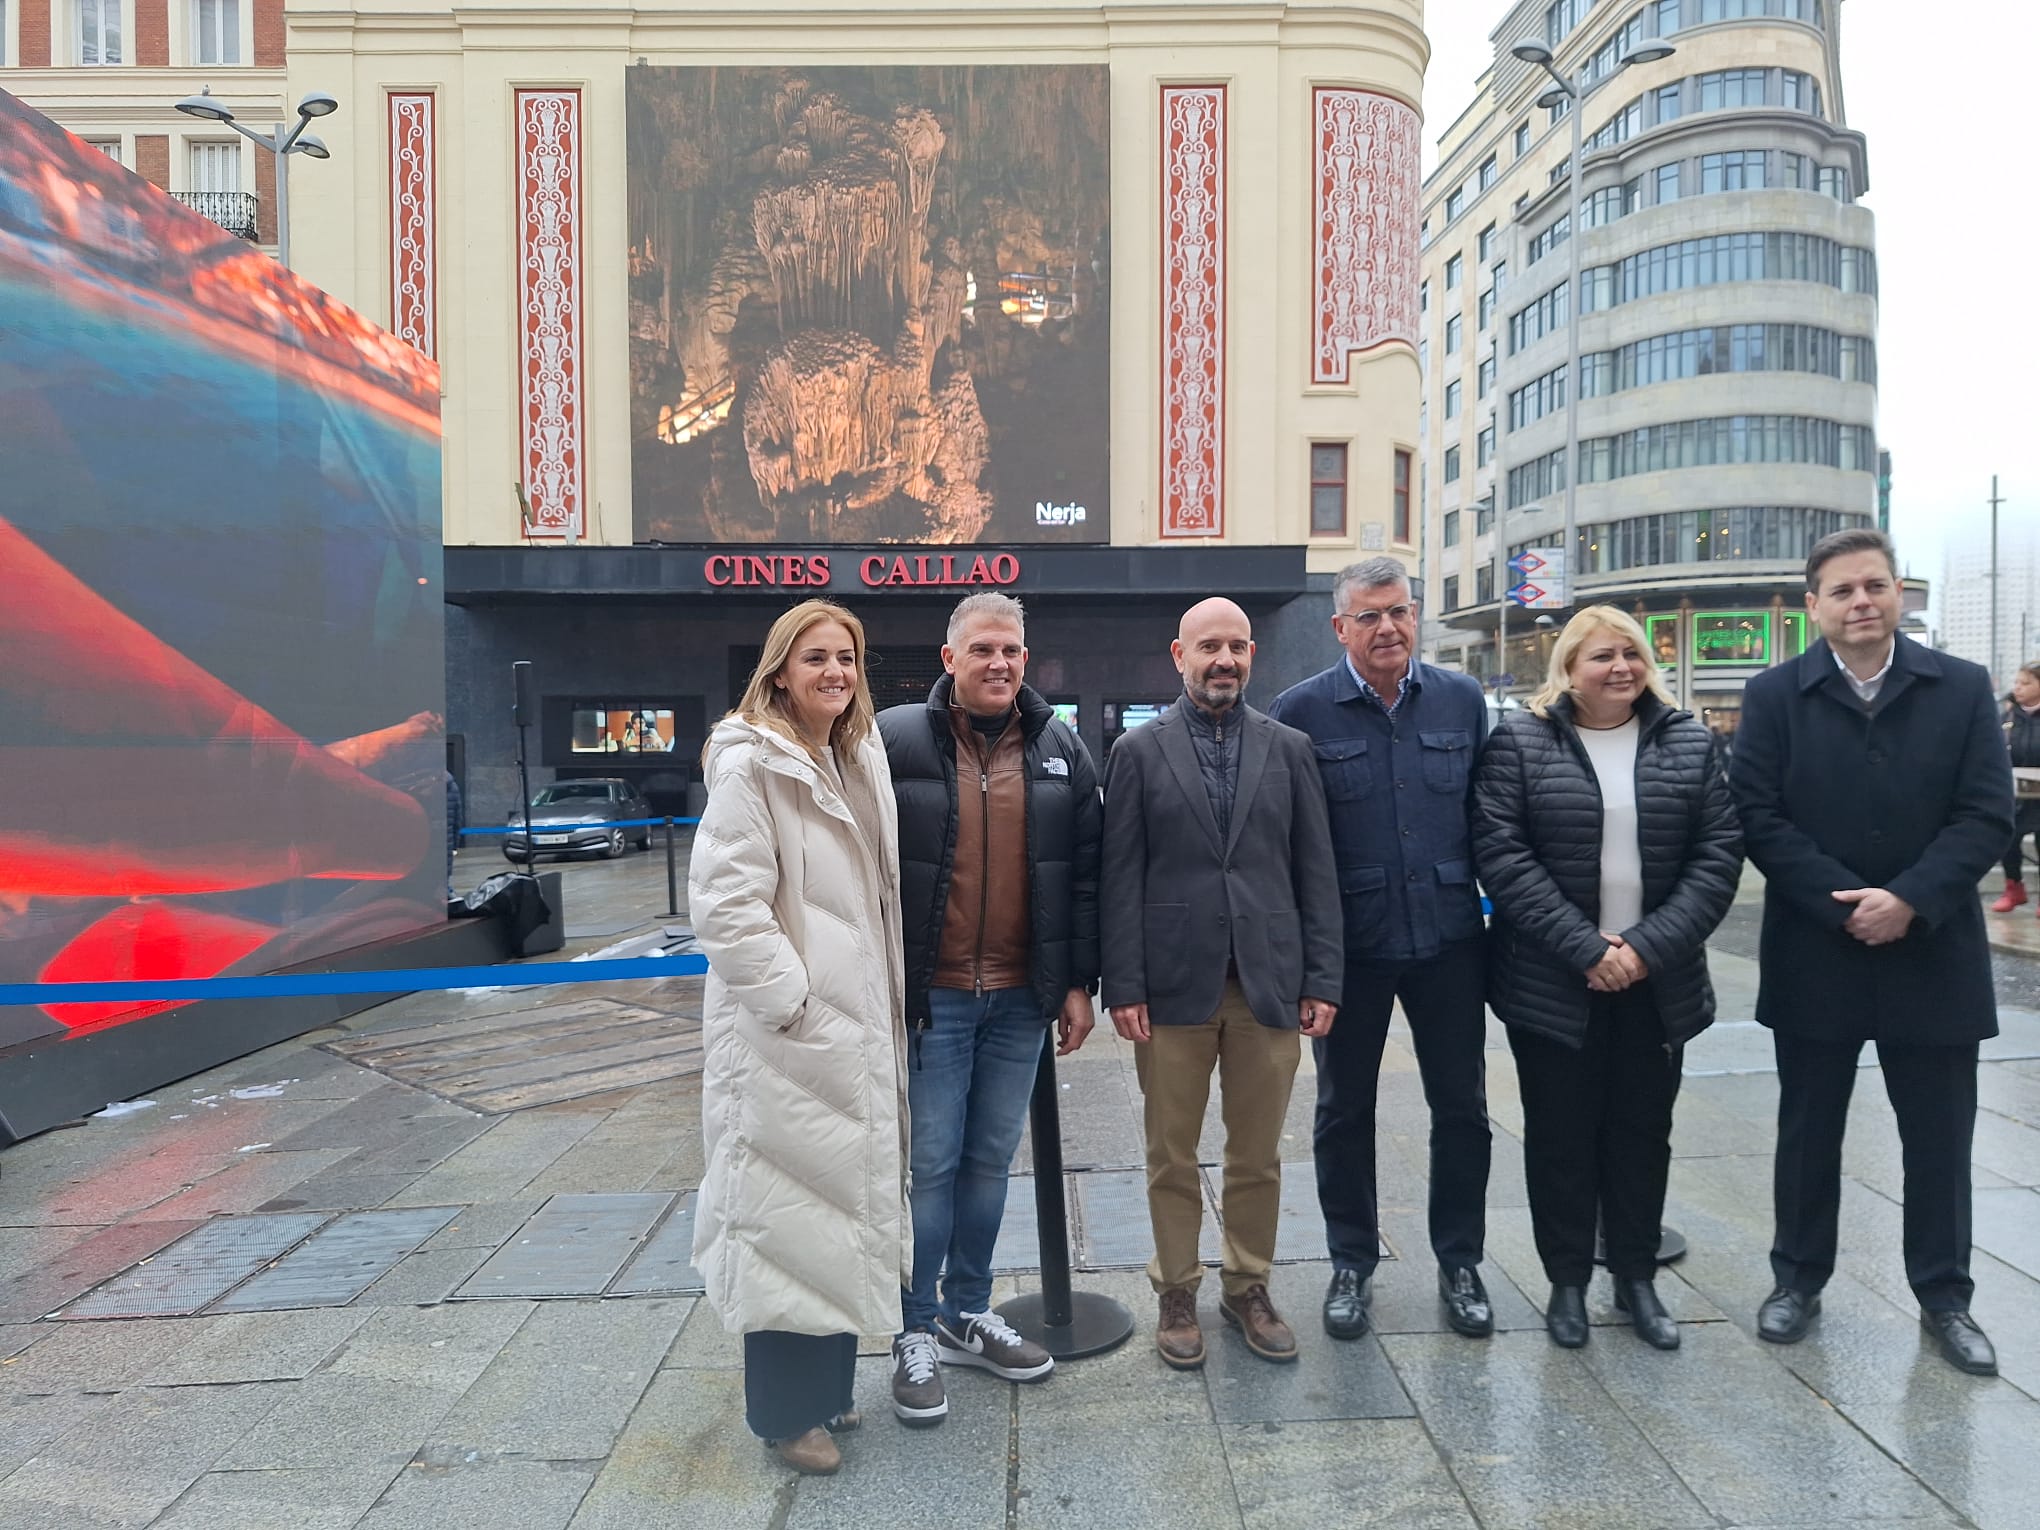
<point>1222,945</point>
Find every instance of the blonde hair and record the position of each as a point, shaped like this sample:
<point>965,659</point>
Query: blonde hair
<point>765,705</point>
<point>1585,623</point>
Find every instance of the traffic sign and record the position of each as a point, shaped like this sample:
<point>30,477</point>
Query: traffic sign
<point>1548,595</point>
<point>1542,572</point>
<point>1527,563</point>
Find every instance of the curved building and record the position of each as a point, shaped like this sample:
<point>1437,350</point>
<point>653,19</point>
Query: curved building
<point>1726,309</point>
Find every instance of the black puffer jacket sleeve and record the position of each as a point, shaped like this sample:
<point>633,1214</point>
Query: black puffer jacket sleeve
<point>1086,857</point>
<point>1700,899</point>
<point>1521,887</point>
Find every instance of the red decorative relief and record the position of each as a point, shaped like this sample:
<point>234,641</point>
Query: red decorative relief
<point>1364,244</point>
<point>414,255</point>
<point>549,310</point>
<point>1193,310</point>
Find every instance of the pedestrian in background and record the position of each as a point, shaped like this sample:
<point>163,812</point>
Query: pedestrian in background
<point>1221,946</point>
<point>2022,738</point>
<point>801,1232</point>
<point>1606,839</point>
<point>1872,781</point>
<point>999,834</point>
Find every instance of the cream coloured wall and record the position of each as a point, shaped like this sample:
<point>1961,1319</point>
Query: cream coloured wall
<point>1269,54</point>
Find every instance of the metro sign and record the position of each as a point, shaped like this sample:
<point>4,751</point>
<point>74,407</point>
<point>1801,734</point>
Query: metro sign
<point>1536,597</point>
<point>1528,563</point>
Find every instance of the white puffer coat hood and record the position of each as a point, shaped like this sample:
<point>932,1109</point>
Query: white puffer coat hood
<point>793,890</point>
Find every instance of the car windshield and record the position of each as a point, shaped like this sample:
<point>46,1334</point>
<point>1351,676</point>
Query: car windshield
<point>573,791</point>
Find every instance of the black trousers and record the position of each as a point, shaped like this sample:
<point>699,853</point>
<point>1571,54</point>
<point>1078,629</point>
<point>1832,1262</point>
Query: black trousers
<point>794,1381</point>
<point>1597,1137</point>
<point>1445,1000</point>
<point>2027,821</point>
<point>1933,1093</point>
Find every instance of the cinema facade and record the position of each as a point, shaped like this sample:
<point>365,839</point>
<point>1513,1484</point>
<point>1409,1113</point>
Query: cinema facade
<point>1110,307</point>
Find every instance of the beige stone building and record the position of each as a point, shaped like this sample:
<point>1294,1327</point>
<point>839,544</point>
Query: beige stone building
<point>1727,320</point>
<point>1134,327</point>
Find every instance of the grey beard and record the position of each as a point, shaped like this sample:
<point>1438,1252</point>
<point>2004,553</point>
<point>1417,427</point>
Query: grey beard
<point>1214,703</point>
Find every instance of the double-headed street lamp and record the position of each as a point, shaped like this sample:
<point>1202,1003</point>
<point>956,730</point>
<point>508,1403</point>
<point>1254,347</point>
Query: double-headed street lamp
<point>1563,89</point>
<point>277,142</point>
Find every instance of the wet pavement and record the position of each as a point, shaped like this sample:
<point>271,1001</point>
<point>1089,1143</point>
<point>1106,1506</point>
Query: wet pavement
<point>358,1314</point>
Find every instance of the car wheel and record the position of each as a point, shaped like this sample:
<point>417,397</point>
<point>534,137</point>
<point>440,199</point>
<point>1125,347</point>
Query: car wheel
<point>646,842</point>
<point>613,847</point>
<point>514,858</point>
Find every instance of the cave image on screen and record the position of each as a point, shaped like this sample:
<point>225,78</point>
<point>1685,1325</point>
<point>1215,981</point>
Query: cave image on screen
<point>222,696</point>
<point>870,304</point>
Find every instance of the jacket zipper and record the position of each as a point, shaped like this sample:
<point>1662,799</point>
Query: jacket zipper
<point>985,876</point>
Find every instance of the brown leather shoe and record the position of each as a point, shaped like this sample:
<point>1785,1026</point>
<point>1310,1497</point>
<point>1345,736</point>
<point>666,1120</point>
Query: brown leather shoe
<point>813,1454</point>
<point>1177,1335</point>
<point>1259,1324</point>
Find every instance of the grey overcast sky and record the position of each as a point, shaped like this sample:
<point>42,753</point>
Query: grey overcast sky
<point>1944,95</point>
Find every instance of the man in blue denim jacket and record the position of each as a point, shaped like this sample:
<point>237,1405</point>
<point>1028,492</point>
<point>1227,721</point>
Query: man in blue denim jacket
<point>1396,741</point>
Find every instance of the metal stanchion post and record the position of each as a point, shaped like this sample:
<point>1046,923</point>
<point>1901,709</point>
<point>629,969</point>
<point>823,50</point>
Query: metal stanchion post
<point>672,874</point>
<point>1068,1324</point>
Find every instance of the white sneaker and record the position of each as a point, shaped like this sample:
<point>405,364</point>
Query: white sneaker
<point>917,1395</point>
<point>987,1341</point>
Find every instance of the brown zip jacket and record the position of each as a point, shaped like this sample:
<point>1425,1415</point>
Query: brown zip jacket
<point>987,933</point>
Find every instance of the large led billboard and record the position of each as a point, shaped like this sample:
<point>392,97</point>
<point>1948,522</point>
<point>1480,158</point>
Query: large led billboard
<point>221,622</point>
<point>870,304</point>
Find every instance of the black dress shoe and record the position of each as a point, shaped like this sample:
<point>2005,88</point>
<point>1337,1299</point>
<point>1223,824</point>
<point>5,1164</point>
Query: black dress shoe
<point>1965,1345</point>
<point>1787,1314</point>
<point>1346,1305</point>
<point>1647,1314</point>
<point>1466,1302</point>
<point>1565,1316</point>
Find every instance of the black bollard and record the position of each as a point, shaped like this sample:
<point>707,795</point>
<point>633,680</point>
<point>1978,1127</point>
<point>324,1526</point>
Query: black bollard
<point>1068,1324</point>
<point>672,874</point>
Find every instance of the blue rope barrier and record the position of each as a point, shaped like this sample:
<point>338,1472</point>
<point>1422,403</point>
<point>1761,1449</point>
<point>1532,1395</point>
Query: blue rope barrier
<point>569,828</point>
<point>290,985</point>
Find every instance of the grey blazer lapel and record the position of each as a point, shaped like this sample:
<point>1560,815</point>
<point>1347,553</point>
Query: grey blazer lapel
<point>1174,734</point>
<point>1254,746</point>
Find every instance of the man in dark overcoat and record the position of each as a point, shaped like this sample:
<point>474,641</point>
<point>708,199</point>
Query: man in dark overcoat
<point>1875,792</point>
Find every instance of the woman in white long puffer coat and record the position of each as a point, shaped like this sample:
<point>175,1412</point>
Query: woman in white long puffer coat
<point>801,1230</point>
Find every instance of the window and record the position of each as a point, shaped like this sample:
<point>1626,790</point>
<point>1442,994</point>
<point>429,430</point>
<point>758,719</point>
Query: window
<point>1667,183</point>
<point>1559,109</point>
<point>1669,102</point>
<point>1399,529</point>
<point>1424,235</point>
<point>1724,348</point>
<point>1801,92</point>
<point>1454,391</point>
<point>1737,438</point>
<point>98,32</point>
<point>1483,454</point>
<point>1522,139</point>
<point>1484,580</point>
<point>1741,170</point>
<point>1501,275</point>
<point>1490,172</point>
<point>215,167</point>
<point>1667,16</point>
<point>1485,378</point>
<point>1534,480</point>
<point>1835,183</point>
<point>1328,488</point>
<point>1424,357</point>
<point>1455,203</point>
<point>1560,17</point>
<point>1451,476</point>
<point>1534,400</point>
<point>1550,239</point>
<point>1728,88</point>
<point>1423,297</point>
<point>1544,317</point>
<point>1487,243</point>
<point>1454,327</point>
<point>110,147</point>
<point>1486,314</point>
<point>1559,172</point>
<point>1772,532</point>
<point>1454,269</point>
<point>216,31</point>
<point>1451,532</point>
<point>1726,258</point>
<point>1451,592</point>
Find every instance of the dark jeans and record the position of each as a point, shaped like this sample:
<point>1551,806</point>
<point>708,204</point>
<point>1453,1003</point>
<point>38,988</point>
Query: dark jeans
<point>1933,1093</point>
<point>2026,822</point>
<point>1597,1137</point>
<point>794,1381</point>
<point>1444,999</point>
<point>970,1077</point>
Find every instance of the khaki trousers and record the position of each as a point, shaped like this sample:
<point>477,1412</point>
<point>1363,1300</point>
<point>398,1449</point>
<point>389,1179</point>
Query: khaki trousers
<point>1256,1066</point>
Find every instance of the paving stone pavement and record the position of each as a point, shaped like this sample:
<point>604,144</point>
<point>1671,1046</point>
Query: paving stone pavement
<point>407,1406</point>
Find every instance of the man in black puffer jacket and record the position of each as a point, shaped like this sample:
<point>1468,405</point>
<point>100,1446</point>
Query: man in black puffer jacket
<point>1000,826</point>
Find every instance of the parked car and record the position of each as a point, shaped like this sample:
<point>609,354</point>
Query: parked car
<point>579,818</point>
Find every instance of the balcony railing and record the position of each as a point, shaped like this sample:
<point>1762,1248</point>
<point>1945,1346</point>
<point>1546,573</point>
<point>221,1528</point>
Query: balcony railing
<point>234,211</point>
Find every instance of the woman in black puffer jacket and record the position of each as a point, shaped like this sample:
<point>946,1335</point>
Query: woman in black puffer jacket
<point>1605,837</point>
<point>2022,738</point>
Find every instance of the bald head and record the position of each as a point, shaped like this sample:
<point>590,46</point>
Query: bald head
<point>1214,652</point>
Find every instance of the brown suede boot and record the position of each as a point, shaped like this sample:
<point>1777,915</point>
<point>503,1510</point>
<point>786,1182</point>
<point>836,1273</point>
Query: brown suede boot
<point>813,1454</point>
<point>1259,1324</point>
<point>1177,1335</point>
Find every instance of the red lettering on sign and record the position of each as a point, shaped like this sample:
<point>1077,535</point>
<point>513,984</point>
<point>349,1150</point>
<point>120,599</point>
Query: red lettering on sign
<point>717,569</point>
<point>980,572</point>
<point>1005,568</point>
<point>762,570</point>
<point>926,570</point>
<point>818,569</point>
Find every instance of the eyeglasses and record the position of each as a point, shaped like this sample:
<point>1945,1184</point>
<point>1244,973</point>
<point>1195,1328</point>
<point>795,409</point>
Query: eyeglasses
<point>1367,621</point>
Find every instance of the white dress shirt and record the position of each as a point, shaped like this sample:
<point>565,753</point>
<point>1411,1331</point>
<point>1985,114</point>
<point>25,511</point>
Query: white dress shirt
<point>1866,690</point>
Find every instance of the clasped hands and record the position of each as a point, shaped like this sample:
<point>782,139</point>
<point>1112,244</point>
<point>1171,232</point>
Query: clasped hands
<point>1618,968</point>
<point>1313,1018</point>
<point>1881,916</point>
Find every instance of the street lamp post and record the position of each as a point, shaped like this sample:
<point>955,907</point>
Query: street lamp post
<point>1567,90</point>
<point>277,142</point>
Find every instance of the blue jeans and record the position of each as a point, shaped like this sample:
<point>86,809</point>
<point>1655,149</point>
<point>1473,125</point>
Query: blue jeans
<point>968,1084</point>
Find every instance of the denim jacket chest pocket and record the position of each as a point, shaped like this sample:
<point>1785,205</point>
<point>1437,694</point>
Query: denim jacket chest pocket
<point>1448,758</point>
<point>1344,765</point>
